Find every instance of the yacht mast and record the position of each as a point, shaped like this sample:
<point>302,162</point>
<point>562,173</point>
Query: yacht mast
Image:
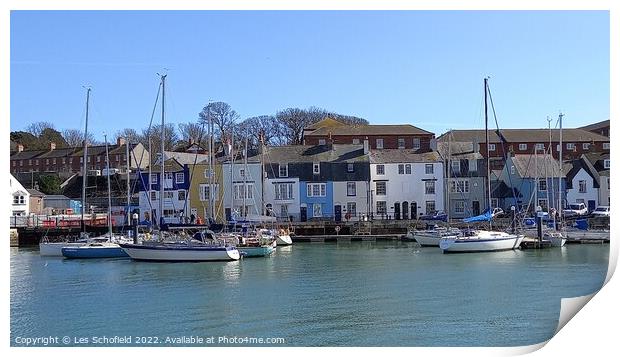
<point>107,165</point>
<point>486,131</point>
<point>245,174</point>
<point>84,166</point>
<point>162,158</point>
<point>561,172</point>
<point>128,184</point>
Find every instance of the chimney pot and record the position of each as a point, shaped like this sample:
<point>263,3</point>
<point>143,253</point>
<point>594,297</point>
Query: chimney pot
<point>52,146</point>
<point>120,141</point>
<point>20,147</point>
<point>366,145</point>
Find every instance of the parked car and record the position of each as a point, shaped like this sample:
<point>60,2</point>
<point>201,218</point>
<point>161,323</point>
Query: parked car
<point>601,211</point>
<point>575,209</point>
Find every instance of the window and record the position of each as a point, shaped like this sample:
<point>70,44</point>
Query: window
<point>401,169</point>
<point>154,179</point>
<point>13,163</point>
<point>352,209</point>
<point>64,160</point>
<point>542,184</point>
<point>605,146</point>
<point>459,186</point>
<point>208,173</point>
<point>283,211</point>
<point>512,169</point>
<point>522,147</point>
<point>204,191</point>
<point>585,146</point>
<point>428,169</point>
<point>242,172</point>
<point>283,170</point>
<point>606,164</point>
<point>381,207</point>
<point>570,146</point>
<point>321,141</point>
<point>317,210</point>
<point>30,162</point>
<point>408,169</point>
<point>381,188</point>
<point>473,165</point>
<point>117,158</point>
<point>379,143</point>
<point>350,167</point>
<point>429,187</point>
<point>459,207</point>
<point>81,159</point>
<point>98,159</point>
<point>153,195</point>
<point>380,170</point>
<point>19,200</point>
<point>582,186</point>
<point>491,147</point>
<point>88,159</point>
<point>540,146</point>
<point>316,190</point>
<point>456,166</point>
<point>401,143</point>
<point>168,176</point>
<point>356,141</point>
<point>316,168</point>
<point>168,195</point>
<point>21,162</point>
<point>351,189</point>
<point>494,202</point>
<point>416,143</point>
<point>70,160</point>
<point>430,207</point>
<point>242,191</point>
<point>180,177</point>
<point>181,195</point>
<point>542,203</point>
<point>283,191</point>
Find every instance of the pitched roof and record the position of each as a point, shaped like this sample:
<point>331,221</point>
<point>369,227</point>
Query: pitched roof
<point>34,192</point>
<point>316,153</point>
<point>402,129</point>
<point>389,156</point>
<point>529,166</point>
<point>523,135</point>
<point>26,154</point>
<point>58,153</point>
<point>327,122</point>
<point>596,126</point>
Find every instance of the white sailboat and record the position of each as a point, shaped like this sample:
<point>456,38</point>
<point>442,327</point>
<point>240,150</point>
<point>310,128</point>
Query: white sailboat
<point>177,247</point>
<point>482,240</point>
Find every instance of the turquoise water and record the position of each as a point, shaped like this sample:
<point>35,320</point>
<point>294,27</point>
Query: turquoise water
<point>351,294</point>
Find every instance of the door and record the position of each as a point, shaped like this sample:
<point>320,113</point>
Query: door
<point>591,205</point>
<point>405,212</point>
<point>397,210</point>
<point>475,207</point>
<point>303,214</point>
<point>338,213</point>
<point>414,210</point>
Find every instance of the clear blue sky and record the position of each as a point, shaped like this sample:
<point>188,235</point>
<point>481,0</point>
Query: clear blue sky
<point>424,68</point>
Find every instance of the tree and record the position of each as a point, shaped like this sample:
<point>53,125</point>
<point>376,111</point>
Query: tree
<point>194,131</point>
<point>266,125</point>
<point>49,184</point>
<point>170,138</point>
<point>29,141</point>
<point>222,116</point>
<point>37,128</point>
<point>128,134</point>
<point>294,120</point>
<point>49,135</point>
<point>74,138</point>
<point>351,120</point>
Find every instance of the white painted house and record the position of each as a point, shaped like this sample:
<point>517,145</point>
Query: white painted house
<point>588,181</point>
<point>20,198</point>
<point>405,184</point>
<point>246,189</point>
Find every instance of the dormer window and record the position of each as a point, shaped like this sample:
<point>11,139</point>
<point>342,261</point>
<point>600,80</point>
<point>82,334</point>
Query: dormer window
<point>321,141</point>
<point>283,170</point>
<point>379,143</point>
<point>606,164</point>
<point>316,168</point>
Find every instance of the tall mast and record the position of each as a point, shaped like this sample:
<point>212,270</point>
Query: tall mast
<point>447,185</point>
<point>486,131</point>
<point>128,184</point>
<point>552,200</point>
<point>536,184</point>
<point>107,165</point>
<point>232,170</point>
<point>561,171</point>
<point>161,177</point>
<point>245,174</point>
<point>84,161</point>
<point>150,183</point>
<point>262,174</point>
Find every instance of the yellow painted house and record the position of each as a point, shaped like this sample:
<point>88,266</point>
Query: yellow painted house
<point>200,190</point>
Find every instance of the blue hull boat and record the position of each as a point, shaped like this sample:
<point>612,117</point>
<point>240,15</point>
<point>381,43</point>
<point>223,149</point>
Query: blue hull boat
<point>261,251</point>
<point>93,252</point>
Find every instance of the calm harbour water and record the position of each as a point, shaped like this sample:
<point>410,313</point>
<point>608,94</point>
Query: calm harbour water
<point>345,294</point>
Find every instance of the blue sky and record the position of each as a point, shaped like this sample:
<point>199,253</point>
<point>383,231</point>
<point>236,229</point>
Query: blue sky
<point>423,68</point>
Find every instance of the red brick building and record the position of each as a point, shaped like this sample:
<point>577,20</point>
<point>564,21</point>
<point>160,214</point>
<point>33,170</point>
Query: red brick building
<point>575,142</point>
<point>379,136</point>
<point>601,128</point>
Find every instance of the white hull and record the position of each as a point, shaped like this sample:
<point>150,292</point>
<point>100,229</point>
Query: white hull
<point>173,253</point>
<point>587,234</point>
<point>430,238</point>
<point>284,240</point>
<point>55,249</point>
<point>484,241</point>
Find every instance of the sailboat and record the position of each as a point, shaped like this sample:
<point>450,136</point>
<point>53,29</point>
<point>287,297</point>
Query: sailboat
<point>176,247</point>
<point>54,249</point>
<point>100,249</point>
<point>482,240</point>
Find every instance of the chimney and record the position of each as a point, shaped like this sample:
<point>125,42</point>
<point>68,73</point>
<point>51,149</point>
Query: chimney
<point>52,146</point>
<point>330,141</point>
<point>365,145</point>
<point>20,147</point>
<point>191,141</point>
<point>120,141</point>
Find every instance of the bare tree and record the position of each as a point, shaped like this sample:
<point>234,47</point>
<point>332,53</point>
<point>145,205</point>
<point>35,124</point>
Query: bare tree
<point>74,137</point>
<point>128,134</point>
<point>351,120</point>
<point>170,138</point>
<point>223,117</point>
<point>266,125</point>
<point>193,132</point>
<point>294,120</point>
<point>37,128</point>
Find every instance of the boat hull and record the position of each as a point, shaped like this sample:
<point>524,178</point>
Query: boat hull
<point>471,245</point>
<point>579,234</point>
<point>180,253</point>
<point>284,240</point>
<point>96,252</point>
<point>55,249</point>
<point>430,239</point>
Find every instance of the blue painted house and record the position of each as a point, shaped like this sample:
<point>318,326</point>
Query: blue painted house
<point>537,181</point>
